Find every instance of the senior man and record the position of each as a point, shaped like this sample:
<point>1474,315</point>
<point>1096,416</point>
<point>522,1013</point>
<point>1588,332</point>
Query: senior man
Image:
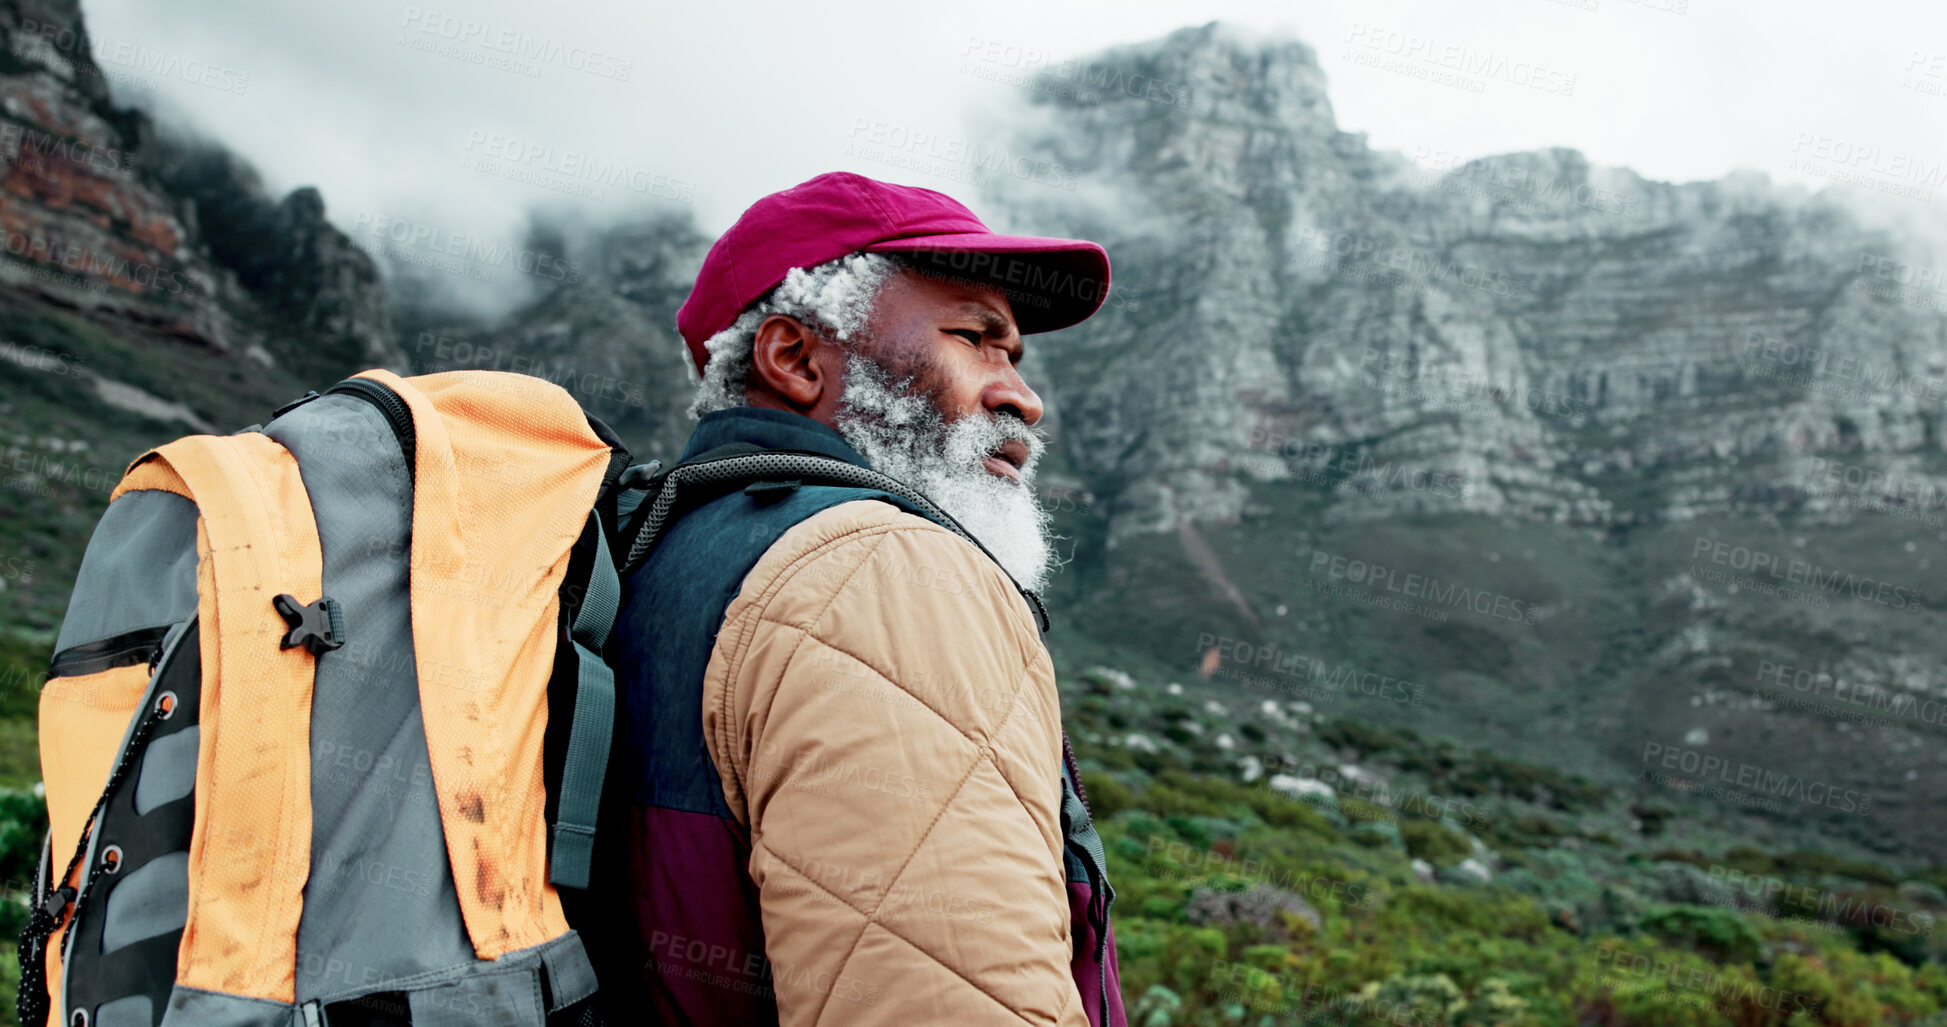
<point>852,799</point>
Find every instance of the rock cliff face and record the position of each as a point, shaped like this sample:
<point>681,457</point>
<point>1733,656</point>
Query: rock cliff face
<point>283,253</point>
<point>149,288</point>
<point>103,217</point>
<point>604,329</point>
<point>1612,468</point>
<point>1522,328</point>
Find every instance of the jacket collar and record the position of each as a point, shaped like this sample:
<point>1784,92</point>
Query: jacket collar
<point>771,429</point>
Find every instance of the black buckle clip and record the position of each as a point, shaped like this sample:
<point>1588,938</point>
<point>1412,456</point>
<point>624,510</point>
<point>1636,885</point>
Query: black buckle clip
<point>317,626</point>
<point>57,900</point>
<point>638,475</point>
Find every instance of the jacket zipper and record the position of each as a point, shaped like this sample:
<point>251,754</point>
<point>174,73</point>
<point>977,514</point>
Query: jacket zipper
<point>1102,946</point>
<point>397,414</point>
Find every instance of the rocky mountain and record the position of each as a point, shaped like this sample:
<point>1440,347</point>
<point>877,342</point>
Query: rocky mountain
<point>1506,434</point>
<point>149,287</point>
<point>604,327</point>
<point>107,217</point>
<point>1608,468</point>
<point>1640,479</point>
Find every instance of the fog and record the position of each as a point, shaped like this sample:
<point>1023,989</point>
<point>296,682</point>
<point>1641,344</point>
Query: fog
<point>473,122</point>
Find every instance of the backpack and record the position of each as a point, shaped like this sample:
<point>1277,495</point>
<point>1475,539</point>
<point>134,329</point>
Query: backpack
<point>327,726</point>
<point>296,722</point>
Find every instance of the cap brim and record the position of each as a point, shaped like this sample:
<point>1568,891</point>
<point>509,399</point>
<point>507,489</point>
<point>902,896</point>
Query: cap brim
<point>1051,283</point>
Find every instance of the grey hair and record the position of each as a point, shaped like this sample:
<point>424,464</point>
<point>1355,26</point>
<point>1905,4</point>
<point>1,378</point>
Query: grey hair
<point>834,298</point>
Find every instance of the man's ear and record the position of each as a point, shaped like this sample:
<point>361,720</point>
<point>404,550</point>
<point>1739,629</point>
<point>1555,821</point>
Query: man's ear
<point>784,361</point>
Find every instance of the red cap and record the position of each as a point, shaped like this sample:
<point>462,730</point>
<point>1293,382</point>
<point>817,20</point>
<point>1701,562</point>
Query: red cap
<point>1051,283</point>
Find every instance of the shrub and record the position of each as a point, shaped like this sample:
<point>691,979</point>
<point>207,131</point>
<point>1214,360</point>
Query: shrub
<point>1432,841</point>
<point>1719,934</point>
<point>1106,795</point>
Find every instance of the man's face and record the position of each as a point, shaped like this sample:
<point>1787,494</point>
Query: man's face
<point>960,345</point>
<point>932,396</point>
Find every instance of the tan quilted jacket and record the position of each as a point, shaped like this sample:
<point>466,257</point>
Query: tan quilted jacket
<point>883,716</point>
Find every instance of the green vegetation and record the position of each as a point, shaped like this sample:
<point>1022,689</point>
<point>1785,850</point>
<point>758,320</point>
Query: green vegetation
<point>1522,897</point>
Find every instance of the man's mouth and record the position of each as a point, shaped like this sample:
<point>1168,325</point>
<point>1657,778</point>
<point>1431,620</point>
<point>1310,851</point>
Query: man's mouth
<point>1007,459</point>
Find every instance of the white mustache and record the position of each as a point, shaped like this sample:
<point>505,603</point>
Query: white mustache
<point>986,436</point>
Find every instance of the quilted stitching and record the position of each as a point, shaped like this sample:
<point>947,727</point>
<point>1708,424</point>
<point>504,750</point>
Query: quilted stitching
<point>857,546</point>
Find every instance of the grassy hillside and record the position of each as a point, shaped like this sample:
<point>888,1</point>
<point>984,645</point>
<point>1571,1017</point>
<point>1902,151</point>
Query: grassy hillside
<point>1372,876</point>
<point>1574,647</point>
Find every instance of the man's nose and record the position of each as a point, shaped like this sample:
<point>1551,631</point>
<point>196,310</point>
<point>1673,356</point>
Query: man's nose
<point>1010,393</point>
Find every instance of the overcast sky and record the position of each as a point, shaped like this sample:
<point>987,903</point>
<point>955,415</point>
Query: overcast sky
<point>418,112</point>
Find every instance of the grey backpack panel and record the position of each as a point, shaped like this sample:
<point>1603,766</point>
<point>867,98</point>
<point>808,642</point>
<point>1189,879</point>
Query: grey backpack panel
<point>153,900</point>
<point>168,770</point>
<point>128,1011</point>
<point>380,884</point>
<point>147,536</point>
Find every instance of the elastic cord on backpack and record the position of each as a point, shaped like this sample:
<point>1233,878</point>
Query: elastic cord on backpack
<point>32,1002</point>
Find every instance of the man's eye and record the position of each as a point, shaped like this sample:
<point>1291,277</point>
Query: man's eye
<point>966,333</point>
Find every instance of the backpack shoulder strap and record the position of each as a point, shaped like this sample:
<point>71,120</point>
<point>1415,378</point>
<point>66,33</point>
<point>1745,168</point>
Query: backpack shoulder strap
<point>727,468</point>
<point>584,762</point>
<point>585,765</point>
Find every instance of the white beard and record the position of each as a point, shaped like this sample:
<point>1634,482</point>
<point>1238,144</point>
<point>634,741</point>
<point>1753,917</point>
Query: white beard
<point>901,433</point>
